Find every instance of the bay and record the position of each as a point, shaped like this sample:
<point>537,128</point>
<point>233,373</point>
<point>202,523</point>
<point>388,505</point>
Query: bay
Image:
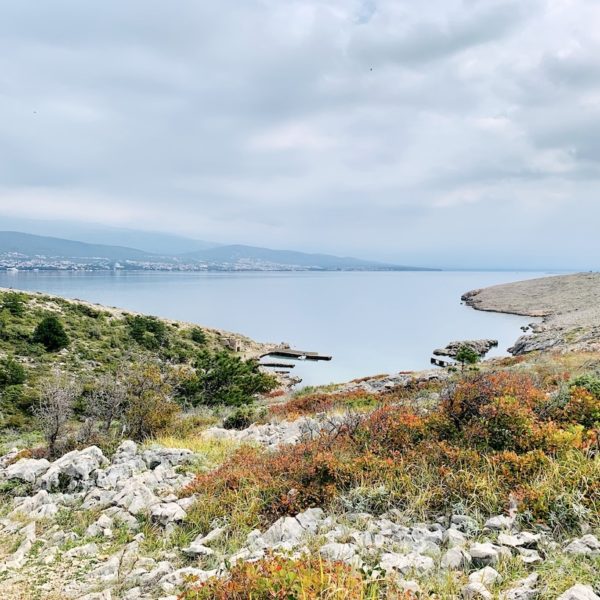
<point>370,322</point>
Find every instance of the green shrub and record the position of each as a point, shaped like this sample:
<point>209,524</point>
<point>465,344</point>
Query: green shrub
<point>149,332</point>
<point>14,303</point>
<point>222,378</point>
<point>198,336</point>
<point>51,334</point>
<point>11,372</point>
<point>588,382</point>
<point>243,417</point>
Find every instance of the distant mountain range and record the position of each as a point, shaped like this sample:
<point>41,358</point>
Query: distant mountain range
<point>28,251</point>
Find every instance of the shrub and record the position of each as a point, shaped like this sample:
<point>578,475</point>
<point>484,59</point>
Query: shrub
<point>150,406</point>
<point>198,336</point>
<point>583,407</point>
<point>244,416</point>
<point>222,378</point>
<point>467,356</point>
<point>279,578</point>
<point>149,332</point>
<point>54,410</point>
<point>14,303</point>
<point>588,382</point>
<point>11,372</point>
<point>51,334</point>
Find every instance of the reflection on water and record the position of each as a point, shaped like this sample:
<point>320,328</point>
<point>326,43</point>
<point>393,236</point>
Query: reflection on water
<point>369,322</point>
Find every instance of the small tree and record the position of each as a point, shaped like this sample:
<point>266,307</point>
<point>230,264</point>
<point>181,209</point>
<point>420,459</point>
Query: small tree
<point>54,410</point>
<point>149,332</point>
<point>51,333</point>
<point>11,372</point>
<point>14,303</point>
<point>466,356</point>
<point>108,401</point>
<point>150,405</point>
<point>223,378</point>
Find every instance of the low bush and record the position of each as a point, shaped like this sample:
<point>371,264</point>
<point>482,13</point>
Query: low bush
<point>277,578</point>
<point>483,446</point>
<point>244,416</point>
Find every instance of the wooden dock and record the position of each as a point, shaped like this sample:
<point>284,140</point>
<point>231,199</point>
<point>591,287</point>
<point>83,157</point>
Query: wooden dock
<point>296,354</point>
<point>441,363</point>
<point>277,365</point>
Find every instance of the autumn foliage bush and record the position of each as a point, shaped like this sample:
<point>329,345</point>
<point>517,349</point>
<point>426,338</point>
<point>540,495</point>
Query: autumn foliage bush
<point>277,578</point>
<point>493,439</point>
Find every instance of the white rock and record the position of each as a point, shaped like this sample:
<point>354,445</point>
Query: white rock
<point>338,552</point>
<point>392,561</point>
<point>487,576</point>
<point>529,557</point>
<point>75,468</point>
<point>525,589</point>
<point>286,530</point>
<point>579,592</point>
<point>520,539</point>
<point>166,513</point>
<point>456,559</point>
<point>588,545</point>
<point>27,469</point>
<point>454,537</point>
<point>485,553</point>
<point>173,581</point>
<point>474,591</point>
<point>82,551</point>
<point>499,523</point>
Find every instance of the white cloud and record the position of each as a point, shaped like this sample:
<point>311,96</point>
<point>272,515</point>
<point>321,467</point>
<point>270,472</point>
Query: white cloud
<point>376,127</point>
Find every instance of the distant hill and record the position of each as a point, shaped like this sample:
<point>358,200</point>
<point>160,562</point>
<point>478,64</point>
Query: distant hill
<point>154,242</point>
<point>239,254</point>
<point>37,245</point>
<point>45,252</point>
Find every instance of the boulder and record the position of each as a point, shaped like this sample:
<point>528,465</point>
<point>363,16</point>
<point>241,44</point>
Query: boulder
<point>405,563</point>
<point>487,576</point>
<point>336,552</point>
<point>525,589</point>
<point>27,469</point>
<point>474,591</point>
<point>286,530</point>
<point>499,523</point>
<point>74,470</point>
<point>485,553</point>
<point>167,513</point>
<point>579,592</point>
<point>456,559</point>
<point>588,545</point>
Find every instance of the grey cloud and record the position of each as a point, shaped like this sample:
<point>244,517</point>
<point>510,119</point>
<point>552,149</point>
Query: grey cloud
<point>262,122</point>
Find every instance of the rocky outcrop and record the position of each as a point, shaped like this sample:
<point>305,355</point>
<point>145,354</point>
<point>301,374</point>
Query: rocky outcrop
<point>481,347</point>
<point>567,305</point>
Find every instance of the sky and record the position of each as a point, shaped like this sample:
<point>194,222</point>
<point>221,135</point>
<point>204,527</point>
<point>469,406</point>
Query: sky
<point>441,133</point>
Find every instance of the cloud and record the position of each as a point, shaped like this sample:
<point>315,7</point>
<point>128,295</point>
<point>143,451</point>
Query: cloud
<point>387,128</point>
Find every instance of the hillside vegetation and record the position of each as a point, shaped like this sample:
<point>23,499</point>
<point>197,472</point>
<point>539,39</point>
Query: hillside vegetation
<point>104,352</point>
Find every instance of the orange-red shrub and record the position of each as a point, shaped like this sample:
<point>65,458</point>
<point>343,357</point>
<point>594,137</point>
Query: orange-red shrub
<point>277,578</point>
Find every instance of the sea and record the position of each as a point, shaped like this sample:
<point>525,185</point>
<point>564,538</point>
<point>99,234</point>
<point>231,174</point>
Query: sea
<point>369,322</point>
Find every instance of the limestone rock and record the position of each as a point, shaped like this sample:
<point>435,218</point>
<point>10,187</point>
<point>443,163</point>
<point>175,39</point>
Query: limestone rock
<point>579,592</point>
<point>27,469</point>
<point>473,591</point>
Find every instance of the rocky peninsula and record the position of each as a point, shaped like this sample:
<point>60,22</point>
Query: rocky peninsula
<point>567,304</point>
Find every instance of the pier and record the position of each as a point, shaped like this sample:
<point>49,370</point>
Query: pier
<point>296,354</point>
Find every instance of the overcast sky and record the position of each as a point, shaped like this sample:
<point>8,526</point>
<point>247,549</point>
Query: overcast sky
<point>450,132</point>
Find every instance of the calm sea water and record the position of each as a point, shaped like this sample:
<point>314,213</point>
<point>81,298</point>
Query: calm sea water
<point>369,322</point>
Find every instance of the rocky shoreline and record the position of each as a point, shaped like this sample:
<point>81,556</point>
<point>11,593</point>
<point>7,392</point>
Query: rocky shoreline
<point>567,304</point>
